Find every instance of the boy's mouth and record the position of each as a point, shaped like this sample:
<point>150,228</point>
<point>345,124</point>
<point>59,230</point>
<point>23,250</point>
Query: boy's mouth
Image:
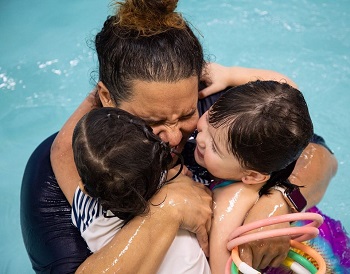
<point>199,154</point>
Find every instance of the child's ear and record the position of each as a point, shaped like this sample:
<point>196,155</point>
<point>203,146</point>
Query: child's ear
<point>252,177</point>
<point>104,95</point>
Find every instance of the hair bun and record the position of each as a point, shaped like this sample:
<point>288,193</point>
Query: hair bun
<point>159,7</point>
<point>149,17</point>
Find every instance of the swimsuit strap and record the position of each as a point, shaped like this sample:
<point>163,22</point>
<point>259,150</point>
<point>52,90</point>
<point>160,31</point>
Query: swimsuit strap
<point>221,183</point>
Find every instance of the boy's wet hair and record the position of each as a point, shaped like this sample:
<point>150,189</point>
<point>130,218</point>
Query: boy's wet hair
<point>267,122</point>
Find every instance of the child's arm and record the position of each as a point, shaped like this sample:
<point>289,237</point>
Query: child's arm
<point>61,156</point>
<point>218,77</point>
<point>231,204</point>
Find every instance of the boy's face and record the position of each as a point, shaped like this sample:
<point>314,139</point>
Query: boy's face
<point>211,151</point>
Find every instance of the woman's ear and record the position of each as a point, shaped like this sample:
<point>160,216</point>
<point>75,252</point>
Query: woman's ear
<point>252,177</point>
<point>104,95</point>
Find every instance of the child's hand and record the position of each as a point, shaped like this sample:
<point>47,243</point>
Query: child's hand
<point>216,78</point>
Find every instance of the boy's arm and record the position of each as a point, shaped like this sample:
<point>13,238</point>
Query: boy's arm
<point>231,204</point>
<point>218,77</point>
<point>61,155</point>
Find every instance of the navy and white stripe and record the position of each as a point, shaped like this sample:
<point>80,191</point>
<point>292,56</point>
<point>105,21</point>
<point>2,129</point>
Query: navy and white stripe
<point>200,179</point>
<point>85,210</point>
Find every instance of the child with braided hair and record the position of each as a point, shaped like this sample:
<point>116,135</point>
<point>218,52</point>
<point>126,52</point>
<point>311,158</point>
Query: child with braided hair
<point>122,164</point>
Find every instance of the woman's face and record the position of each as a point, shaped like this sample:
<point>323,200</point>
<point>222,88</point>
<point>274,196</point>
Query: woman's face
<point>212,153</point>
<point>169,108</point>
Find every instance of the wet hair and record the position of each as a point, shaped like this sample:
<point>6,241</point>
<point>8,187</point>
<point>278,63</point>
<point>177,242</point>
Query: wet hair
<point>268,126</point>
<point>120,161</point>
<point>147,41</point>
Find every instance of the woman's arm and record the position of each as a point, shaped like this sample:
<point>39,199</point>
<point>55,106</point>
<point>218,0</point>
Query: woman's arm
<point>61,155</point>
<point>218,77</point>
<point>314,170</point>
<point>142,244</point>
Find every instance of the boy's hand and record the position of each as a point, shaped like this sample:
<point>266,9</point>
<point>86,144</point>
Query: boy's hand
<point>216,78</point>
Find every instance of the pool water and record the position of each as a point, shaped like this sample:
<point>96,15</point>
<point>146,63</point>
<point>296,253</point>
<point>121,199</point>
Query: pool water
<point>47,66</point>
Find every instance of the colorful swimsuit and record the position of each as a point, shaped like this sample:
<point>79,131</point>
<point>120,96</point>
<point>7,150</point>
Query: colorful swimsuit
<point>221,183</point>
<point>333,242</point>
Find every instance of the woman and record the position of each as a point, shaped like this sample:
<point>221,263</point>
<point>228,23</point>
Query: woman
<point>150,64</point>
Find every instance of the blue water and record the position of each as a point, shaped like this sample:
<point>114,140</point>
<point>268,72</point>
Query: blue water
<point>47,66</point>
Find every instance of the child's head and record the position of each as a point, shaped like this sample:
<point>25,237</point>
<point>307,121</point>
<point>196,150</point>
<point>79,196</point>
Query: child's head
<point>253,129</point>
<point>120,161</point>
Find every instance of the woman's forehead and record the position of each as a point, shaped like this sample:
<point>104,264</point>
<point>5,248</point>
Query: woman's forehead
<point>162,100</point>
<point>165,90</point>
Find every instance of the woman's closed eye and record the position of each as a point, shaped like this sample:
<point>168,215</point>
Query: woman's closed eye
<point>188,116</point>
<point>154,123</point>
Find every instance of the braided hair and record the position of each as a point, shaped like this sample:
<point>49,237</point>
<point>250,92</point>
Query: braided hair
<point>120,160</point>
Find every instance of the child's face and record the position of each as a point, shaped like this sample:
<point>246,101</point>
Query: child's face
<point>212,153</point>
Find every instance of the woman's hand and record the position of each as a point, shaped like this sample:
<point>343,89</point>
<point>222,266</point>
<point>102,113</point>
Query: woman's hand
<point>268,252</point>
<point>190,203</point>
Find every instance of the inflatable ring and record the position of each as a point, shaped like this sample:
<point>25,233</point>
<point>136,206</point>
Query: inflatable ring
<point>294,261</point>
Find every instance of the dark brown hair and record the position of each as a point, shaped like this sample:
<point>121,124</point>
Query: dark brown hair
<point>120,161</point>
<point>148,41</point>
<point>268,123</point>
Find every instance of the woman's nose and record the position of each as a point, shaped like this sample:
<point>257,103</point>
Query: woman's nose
<point>172,135</point>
